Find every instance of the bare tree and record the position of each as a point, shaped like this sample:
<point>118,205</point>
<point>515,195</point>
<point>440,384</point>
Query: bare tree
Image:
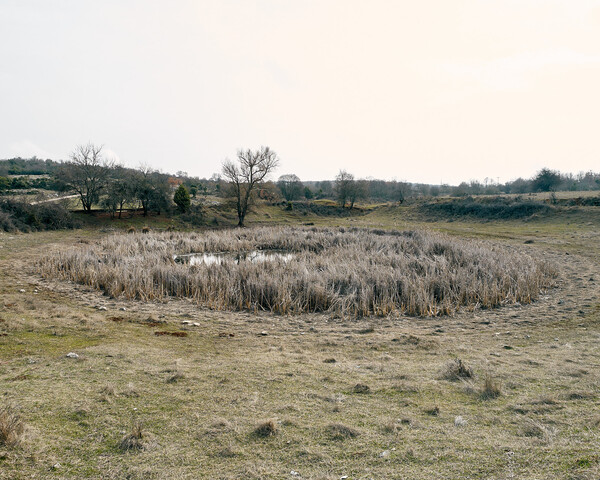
<point>87,173</point>
<point>243,177</point>
<point>344,185</point>
<point>359,190</point>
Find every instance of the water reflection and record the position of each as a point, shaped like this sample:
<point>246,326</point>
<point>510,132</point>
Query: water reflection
<point>256,256</point>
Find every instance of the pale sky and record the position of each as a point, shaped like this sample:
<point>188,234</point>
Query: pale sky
<point>418,90</point>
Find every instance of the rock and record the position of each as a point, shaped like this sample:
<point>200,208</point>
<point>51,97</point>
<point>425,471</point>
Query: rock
<point>56,466</point>
<point>186,322</point>
<point>196,324</point>
<point>263,333</point>
<point>102,308</point>
<point>123,309</point>
<point>72,355</point>
<point>460,421</point>
<point>294,473</point>
<point>22,290</point>
<point>385,453</point>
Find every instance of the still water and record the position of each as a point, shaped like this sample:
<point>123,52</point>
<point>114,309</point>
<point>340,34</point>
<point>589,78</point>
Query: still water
<point>256,256</point>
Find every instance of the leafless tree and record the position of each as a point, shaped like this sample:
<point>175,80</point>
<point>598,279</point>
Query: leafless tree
<point>87,173</point>
<point>344,184</point>
<point>243,177</point>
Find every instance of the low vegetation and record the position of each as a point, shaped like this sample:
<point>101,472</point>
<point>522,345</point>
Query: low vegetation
<point>202,388</point>
<point>20,216</point>
<point>492,208</point>
<point>11,427</point>
<point>353,272</point>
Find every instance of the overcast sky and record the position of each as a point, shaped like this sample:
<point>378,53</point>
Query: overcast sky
<point>419,90</point>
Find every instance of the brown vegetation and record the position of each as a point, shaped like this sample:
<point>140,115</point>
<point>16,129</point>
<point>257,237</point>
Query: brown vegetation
<point>11,427</point>
<point>352,272</point>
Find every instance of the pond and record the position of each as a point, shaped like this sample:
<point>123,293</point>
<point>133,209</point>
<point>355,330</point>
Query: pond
<point>255,256</point>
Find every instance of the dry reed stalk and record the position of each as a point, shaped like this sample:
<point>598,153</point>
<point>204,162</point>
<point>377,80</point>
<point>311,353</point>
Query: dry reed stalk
<point>348,272</point>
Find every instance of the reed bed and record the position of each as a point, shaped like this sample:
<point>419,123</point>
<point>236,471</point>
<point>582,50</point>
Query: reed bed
<point>347,272</point>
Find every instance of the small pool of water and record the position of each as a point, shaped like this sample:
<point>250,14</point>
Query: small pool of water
<point>256,256</point>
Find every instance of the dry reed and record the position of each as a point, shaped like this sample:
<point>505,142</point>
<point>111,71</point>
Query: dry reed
<point>354,272</point>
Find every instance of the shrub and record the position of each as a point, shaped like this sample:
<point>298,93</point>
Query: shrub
<point>195,215</point>
<point>21,216</point>
<point>494,208</point>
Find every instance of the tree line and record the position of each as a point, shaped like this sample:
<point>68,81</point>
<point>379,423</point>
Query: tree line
<point>98,181</point>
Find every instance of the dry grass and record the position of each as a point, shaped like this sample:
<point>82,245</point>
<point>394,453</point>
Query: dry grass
<point>136,439</point>
<point>267,428</point>
<point>338,431</point>
<point>457,370</point>
<point>11,427</point>
<point>353,272</point>
<point>247,377</point>
<point>491,388</point>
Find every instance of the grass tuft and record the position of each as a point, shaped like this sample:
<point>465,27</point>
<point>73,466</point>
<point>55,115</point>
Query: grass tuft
<point>135,439</point>
<point>457,370</point>
<point>337,431</point>
<point>11,427</point>
<point>361,388</point>
<point>265,429</point>
<point>491,388</point>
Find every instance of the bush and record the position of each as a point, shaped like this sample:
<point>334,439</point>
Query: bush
<point>495,208</point>
<point>21,216</point>
<point>195,215</point>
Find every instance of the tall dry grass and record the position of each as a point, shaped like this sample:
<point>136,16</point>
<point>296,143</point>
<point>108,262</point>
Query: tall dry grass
<point>353,272</point>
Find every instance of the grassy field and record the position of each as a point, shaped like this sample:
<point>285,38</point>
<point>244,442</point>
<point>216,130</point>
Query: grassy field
<point>170,390</point>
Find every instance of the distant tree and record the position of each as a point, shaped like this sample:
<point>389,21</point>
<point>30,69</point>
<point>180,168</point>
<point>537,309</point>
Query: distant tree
<point>251,169</point>
<point>151,190</point>
<point>119,191</point>
<point>308,193</point>
<point>87,173</point>
<point>325,189</point>
<point>359,191</point>
<point>344,186</point>
<point>546,180</point>
<point>182,199</point>
<point>5,183</point>
<point>400,191</point>
<point>290,187</point>
<point>193,190</point>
